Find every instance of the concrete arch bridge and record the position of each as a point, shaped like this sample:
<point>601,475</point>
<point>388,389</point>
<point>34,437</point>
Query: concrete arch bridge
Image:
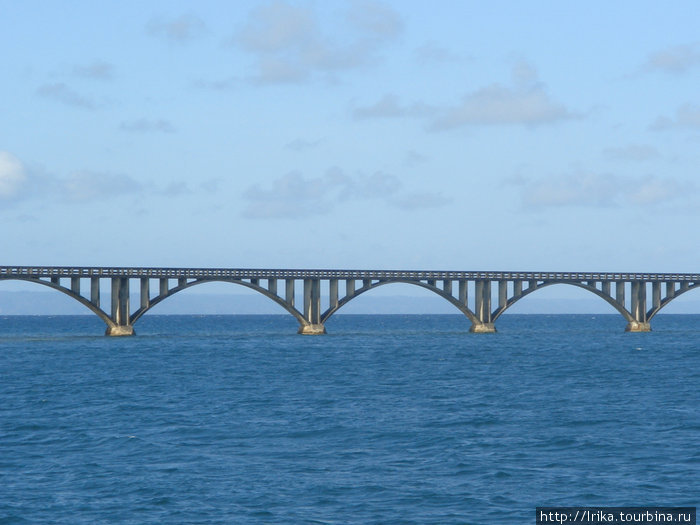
<point>313,296</point>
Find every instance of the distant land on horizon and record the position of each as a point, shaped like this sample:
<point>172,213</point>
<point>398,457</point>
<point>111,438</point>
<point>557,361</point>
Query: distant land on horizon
<point>52,303</point>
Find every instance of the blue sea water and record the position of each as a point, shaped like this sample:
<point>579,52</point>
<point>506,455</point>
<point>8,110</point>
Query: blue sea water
<point>387,419</point>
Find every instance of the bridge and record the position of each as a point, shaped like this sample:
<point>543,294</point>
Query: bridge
<point>313,296</point>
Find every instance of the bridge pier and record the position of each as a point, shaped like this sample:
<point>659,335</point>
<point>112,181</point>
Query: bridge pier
<point>119,330</point>
<point>483,328</point>
<point>638,326</point>
<point>312,329</point>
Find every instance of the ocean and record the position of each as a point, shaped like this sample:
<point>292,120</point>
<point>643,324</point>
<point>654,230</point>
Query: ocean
<point>387,419</point>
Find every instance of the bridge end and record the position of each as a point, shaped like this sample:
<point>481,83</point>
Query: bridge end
<point>119,330</point>
<point>638,326</point>
<point>312,329</point>
<point>483,328</point>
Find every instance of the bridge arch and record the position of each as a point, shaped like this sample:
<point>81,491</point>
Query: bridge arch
<point>607,298</point>
<point>70,293</point>
<point>183,286</point>
<point>372,285</point>
<point>666,300</point>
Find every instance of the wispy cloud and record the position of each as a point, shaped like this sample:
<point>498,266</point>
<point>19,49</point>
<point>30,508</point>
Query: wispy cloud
<point>64,94</point>
<point>294,196</point>
<point>676,59</point>
<point>687,116</point>
<point>289,45</point>
<point>300,144</point>
<point>97,70</point>
<point>389,106</point>
<point>12,176</point>
<point>419,200</point>
<point>600,191</point>
<point>414,158</point>
<point>95,185</point>
<point>631,152</point>
<point>144,125</point>
<point>20,183</point>
<point>431,53</point>
<point>525,102</point>
<point>181,29</point>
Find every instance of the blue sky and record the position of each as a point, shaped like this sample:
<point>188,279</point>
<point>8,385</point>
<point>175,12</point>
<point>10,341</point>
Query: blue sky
<point>424,135</point>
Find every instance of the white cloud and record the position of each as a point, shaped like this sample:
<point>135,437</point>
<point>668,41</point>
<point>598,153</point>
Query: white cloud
<point>375,20</point>
<point>419,200</point>
<point>687,116</point>
<point>432,53</point>
<point>389,107</point>
<point>97,70</point>
<point>526,102</point>
<point>289,45</point>
<point>300,144</point>
<point>414,158</point>
<point>600,191</point>
<point>497,104</point>
<point>294,196</point>
<point>631,152</point>
<point>92,185</point>
<point>677,59</point>
<point>19,183</point>
<point>12,176</point>
<point>179,29</point>
<point>144,125</point>
<point>60,92</point>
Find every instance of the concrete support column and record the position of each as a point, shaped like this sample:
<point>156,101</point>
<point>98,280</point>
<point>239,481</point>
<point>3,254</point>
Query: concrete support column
<point>517,288</point>
<point>115,299</point>
<point>463,289</point>
<point>95,291</point>
<point>120,308</point>
<point>289,291</point>
<point>75,285</point>
<point>670,290</point>
<point>482,301</point>
<point>312,300</point>
<point>312,308</point>
<point>482,308</point>
<point>639,301</point>
<point>145,293</point>
<point>655,295</point>
<point>502,293</point>
<point>333,292</point>
<point>620,292</point>
<point>447,286</point>
<point>349,287</point>
<point>272,286</point>
<point>605,287</point>
<point>638,298</point>
<point>163,287</point>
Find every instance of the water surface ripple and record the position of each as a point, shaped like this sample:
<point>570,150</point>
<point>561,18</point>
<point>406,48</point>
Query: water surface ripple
<point>387,419</point>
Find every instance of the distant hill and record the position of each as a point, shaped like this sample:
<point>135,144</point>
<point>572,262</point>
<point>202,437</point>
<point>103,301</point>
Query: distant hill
<point>53,303</point>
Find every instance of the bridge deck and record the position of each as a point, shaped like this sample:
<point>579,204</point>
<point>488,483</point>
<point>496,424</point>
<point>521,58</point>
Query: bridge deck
<point>251,273</point>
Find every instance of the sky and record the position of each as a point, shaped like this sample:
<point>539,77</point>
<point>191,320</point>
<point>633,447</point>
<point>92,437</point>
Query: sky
<point>442,135</point>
